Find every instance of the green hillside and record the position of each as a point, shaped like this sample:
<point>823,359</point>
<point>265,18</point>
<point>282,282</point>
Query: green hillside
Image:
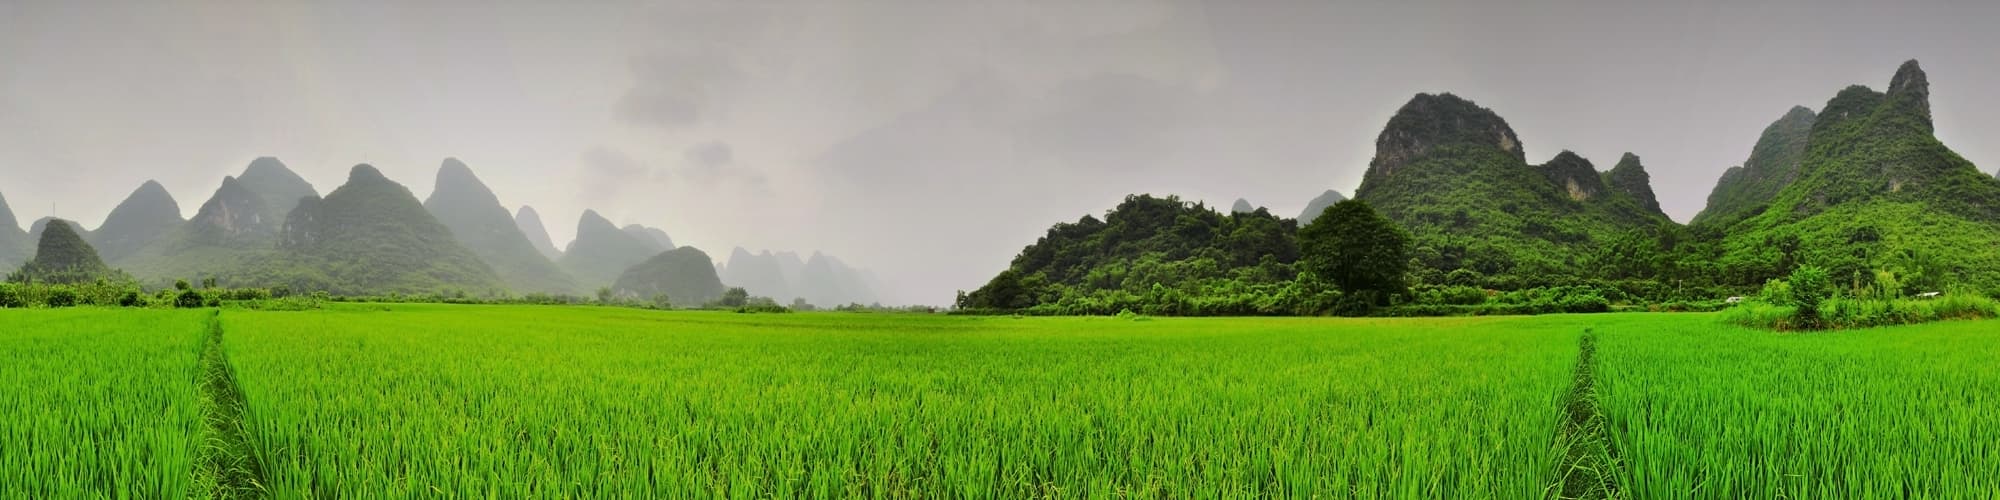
<point>685,275</point>
<point>1453,174</point>
<point>481,224</point>
<point>62,256</point>
<point>1746,190</point>
<point>1875,191</point>
<point>372,236</point>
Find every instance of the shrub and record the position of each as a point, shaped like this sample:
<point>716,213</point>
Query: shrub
<point>10,296</point>
<point>1810,286</point>
<point>1586,302</point>
<point>131,298</point>
<point>62,296</point>
<point>188,299</point>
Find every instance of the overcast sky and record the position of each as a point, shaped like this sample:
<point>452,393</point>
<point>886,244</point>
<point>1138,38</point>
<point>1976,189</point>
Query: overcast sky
<point>925,140</point>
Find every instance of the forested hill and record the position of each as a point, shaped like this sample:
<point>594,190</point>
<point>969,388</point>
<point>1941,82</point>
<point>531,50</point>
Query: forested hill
<point>1873,191</point>
<point>1143,249</point>
<point>372,236</point>
<point>1454,175</point>
<point>1861,187</point>
<point>1744,191</point>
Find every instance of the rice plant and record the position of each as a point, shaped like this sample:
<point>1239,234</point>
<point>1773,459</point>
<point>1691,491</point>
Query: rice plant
<point>99,403</point>
<point>444,401</point>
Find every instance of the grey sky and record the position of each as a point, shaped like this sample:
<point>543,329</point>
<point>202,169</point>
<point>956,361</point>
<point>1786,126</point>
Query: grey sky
<point>925,140</point>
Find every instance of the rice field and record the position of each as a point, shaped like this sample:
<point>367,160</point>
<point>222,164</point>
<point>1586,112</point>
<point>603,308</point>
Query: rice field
<point>1702,410</point>
<point>540,402</point>
<point>437,401</point>
<point>99,403</point>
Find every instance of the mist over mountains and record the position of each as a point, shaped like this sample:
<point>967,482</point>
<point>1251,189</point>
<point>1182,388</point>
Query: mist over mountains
<point>268,227</point>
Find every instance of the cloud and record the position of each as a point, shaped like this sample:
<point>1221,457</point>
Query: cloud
<point>694,65</point>
<point>608,171</point>
<point>711,154</point>
<point>676,88</point>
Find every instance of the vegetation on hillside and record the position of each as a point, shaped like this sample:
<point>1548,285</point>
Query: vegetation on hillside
<point>683,275</point>
<point>1875,191</point>
<point>62,257</point>
<point>372,236</point>
<point>1156,256</point>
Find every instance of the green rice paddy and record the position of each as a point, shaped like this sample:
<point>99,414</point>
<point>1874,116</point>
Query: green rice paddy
<point>438,401</point>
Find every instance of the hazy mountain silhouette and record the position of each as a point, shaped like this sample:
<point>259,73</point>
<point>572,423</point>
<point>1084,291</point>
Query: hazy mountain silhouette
<point>481,224</point>
<point>530,223</point>
<point>601,251</point>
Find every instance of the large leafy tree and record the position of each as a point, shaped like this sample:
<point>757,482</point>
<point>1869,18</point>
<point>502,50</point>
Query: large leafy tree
<point>1357,250</point>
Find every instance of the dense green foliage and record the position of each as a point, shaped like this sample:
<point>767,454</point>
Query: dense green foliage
<point>1159,256</point>
<point>1357,250</point>
<point>477,220</point>
<point>99,404</point>
<point>1809,299</point>
<point>435,400</point>
<point>685,275</point>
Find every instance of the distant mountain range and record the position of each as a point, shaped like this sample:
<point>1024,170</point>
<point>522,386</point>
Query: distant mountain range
<point>819,280</point>
<point>269,227</point>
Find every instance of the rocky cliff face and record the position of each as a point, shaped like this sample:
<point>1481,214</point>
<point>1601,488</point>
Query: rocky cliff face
<point>1430,122</point>
<point>1574,175</point>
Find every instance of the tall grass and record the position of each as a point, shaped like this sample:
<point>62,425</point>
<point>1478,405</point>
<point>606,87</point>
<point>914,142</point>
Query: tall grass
<point>457,401</point>
<point>1701,410</point>
<point>99,403</point>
